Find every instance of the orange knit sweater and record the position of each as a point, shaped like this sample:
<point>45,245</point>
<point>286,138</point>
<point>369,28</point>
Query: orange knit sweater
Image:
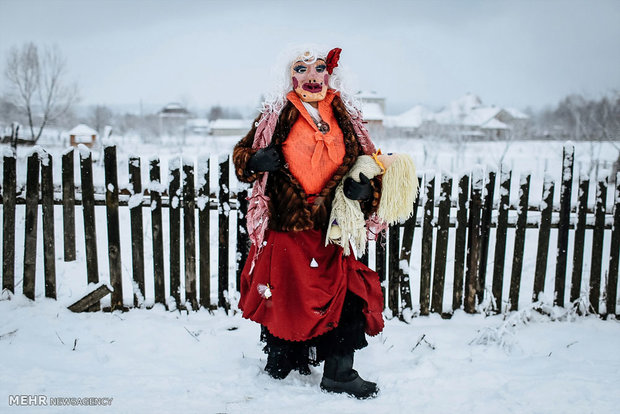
<point>312,156</point>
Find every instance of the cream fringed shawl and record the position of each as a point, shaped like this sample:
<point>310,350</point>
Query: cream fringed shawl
<point>398,191</point>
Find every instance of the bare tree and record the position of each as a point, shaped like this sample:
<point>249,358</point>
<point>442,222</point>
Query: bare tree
<point>100,117</point>
<point>220,112</point>
<point>216,112</point>
<point>38,85</point>
<point>517,129</point>
<point>595,121</point>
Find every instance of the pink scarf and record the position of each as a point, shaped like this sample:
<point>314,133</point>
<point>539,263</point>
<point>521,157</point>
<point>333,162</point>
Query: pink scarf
<point>258,203</point>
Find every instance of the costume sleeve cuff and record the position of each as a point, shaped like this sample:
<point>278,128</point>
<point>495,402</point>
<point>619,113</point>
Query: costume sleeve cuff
<point>241,157</point>
<point>371,205</point>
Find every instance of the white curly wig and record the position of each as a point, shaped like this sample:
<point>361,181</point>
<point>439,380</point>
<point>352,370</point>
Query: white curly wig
<point>309,53</point>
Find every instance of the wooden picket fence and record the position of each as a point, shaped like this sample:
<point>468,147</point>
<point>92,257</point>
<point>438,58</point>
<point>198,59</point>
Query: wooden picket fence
<point>472,222</point>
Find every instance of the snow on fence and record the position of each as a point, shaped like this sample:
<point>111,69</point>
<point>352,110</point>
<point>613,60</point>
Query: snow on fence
<point>473,218</point>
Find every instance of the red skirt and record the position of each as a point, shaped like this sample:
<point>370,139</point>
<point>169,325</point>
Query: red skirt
<point>308,282</point>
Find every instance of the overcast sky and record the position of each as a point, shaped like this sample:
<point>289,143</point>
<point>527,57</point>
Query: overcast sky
<point>510,53</point>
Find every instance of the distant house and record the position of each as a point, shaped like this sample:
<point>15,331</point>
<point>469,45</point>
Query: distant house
<point>172,118</point>
<point>82,134</point>
<point>226,127</point>
<point>490,122</point>
<point>197,126</point>
<point>465,118</point>
<point>408,123</point>
<point>468,117</point>
<point>373,110</point>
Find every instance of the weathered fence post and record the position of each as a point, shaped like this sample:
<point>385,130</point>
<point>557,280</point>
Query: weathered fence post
<point>393,272</point>
<point>580,231</point>
<point>223,214</point>
<point>88,210</point>
<point>137,231</point>
<point>47,207</point>
<point>381,259</point>
<point>500,238</point>
<point>114,237</point>
<point>543,237</point>
<point>517,258</point>
<point>565,197</point>
<point>460,242</point>
<point>155,190</point>
<point>597,245</point>
<point>9,189</point>
<point>364,258</point>
<point>427,246</point>
<point>243,241</point>
<point>485,232</point>
<point>441,253</point>
<point>204,212</point>
<point>30,238</point>
<point>68,205</point>
<point>189,233</point>
<point>405,256</point>
<point>473,242</point>
<point>614,253</point>
<point>174,201</point>
<point>14,136</point>
<point>90,300</point>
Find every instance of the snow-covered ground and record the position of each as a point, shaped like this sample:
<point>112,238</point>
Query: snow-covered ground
<point>151,361</point>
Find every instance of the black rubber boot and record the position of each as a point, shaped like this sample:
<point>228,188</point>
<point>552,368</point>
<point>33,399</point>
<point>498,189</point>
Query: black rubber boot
<point>340,377</point>
<point>278,365</point>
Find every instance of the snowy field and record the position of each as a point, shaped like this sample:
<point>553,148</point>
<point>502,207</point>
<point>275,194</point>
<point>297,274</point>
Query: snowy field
<point>154,360</point>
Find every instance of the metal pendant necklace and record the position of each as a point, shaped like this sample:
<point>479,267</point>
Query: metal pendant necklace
<point>316,117</point>
<point>323,126</point>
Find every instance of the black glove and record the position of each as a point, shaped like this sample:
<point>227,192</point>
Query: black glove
<point>265,159</point>
<point>357,191</point>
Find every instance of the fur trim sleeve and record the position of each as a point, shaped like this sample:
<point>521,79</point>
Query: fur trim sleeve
<point>371,205</point>
<point>242,153</point>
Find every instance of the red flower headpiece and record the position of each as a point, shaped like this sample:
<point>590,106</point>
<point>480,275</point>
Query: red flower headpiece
<point>332,59</point>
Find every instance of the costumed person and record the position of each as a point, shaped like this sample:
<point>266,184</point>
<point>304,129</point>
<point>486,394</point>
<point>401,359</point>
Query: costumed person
<point>313,302</point>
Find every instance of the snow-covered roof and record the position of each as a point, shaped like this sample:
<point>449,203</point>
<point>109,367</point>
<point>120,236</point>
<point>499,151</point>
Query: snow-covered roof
<point>372,111</point>
<point>494,124</point>
<point>173,106</point>
<point>412,118</point>
<point>198,122</point>
<point>368,95</point>
<point>231,124</point>
<point>480,116</point>
<point>473,134</point>
<point>174,109</point>
<point>515,113</point>
<point>465,103</point>
<point>82,129</point>
<point>448,117</point>
<point>467,110</point>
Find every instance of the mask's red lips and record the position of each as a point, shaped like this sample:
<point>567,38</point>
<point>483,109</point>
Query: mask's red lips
<point>312,87</point>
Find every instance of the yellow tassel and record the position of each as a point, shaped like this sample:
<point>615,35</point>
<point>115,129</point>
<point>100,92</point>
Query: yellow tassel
<point>375,156</point>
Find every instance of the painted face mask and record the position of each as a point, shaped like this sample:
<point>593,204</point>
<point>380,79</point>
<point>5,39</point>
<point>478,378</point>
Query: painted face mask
<point>310,79</point>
